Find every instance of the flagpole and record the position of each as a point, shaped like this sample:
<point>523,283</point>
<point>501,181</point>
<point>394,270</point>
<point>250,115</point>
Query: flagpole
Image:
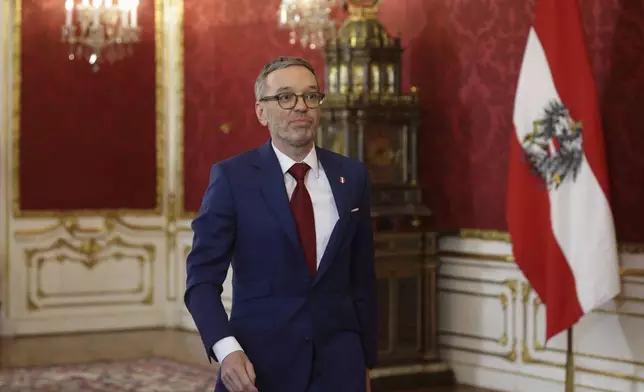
<point>570,364</point>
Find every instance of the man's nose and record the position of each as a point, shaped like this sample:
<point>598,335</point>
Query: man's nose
<point>300,106</point>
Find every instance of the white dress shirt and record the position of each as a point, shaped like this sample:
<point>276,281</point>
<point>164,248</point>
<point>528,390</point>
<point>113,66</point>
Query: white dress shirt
<point>325,213</point>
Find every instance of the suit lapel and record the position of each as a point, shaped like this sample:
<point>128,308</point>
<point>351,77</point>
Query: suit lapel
<point>272,180</point>
<point>333,169</point>
<point>340,188</point>
<point>274,191</point>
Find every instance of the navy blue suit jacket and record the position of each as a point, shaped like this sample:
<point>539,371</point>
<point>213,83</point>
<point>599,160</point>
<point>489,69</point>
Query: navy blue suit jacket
<point>302,333</point>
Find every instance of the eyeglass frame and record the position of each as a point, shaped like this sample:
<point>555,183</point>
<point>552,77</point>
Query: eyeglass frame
<point>297,99</point>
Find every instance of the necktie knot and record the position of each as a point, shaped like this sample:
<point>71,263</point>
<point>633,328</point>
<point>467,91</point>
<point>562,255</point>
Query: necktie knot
<point>299,170</point>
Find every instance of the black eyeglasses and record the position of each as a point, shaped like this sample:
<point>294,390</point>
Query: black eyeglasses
<point>289,100</point>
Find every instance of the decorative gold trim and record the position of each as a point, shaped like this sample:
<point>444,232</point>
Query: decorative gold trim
<point>527,375</point>
<point>502,236</point>
<point>539,347</point>
<point>632,272</point>
<point>624,272</point>
<point>529,359</point>
<point>477,256</point>
<point>171,245</point>
<point>499,236</point>
<point>72,226</point>
<point>6,47</point>
<point>502,267</point>
<point>526,355</point>
<point>485,235</point>
<point>363,10</point>
<point>172,279</point>
<point>182,213</point>
<point>161,115</point>
<point>511,354</point>
<point>174,209</point>
<point>631,247</point>
<point>161,78</point>
<point>89,254</point>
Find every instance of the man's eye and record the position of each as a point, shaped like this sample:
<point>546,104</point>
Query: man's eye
<point>285,97</point>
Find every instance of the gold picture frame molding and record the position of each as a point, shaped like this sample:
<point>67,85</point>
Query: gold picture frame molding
<point>503,236</point>
<point>13,119</point>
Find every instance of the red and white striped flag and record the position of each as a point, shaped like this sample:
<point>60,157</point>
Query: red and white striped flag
<point>558,208</point>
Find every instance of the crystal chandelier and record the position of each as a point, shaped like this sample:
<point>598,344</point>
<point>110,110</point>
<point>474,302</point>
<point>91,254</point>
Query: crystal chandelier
<point>100,29</point>
<point>309,21</point>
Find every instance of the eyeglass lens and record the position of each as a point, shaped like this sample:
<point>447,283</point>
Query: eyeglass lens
<point>289,100</point>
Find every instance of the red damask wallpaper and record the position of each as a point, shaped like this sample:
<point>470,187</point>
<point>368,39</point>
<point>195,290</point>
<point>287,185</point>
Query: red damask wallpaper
<point>87,140</point>
<point>464,56</point>
<point>226,44</point>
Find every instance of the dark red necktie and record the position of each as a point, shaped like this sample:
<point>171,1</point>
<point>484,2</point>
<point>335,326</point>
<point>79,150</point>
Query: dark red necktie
<point>302,208</point>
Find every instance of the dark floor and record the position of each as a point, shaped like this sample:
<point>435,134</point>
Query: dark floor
<point>179,345</point>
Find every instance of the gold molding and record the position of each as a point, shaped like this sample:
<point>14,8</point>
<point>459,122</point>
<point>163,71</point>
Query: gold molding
<point>500,236</point>
<point>503,236</point>
<point>526,354</point>
<point>540,347</point>
<point>72,226</point>
<point>485,235</point>
<point>512,285</point>
<point>172,279</point>
<point>632,272</point>
<point>631,247</point>
<point>171,245</point>
<point>527,357</point>
<point>527,375</point>
<point>161,114</point>
<point>477,256</point>
<point>180,195</point>
<point>161,100</point>
<point>175,209</point>
<point>6,125</point>
<point>624,272</point>
<point>89,254</point>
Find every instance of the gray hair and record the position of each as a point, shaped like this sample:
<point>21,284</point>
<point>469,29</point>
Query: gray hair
<point>277,64</point>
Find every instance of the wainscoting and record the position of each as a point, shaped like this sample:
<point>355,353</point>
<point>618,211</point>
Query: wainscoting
<point>492,326</point>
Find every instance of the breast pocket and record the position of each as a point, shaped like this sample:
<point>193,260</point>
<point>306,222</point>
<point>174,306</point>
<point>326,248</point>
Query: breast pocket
<point>346,228</point>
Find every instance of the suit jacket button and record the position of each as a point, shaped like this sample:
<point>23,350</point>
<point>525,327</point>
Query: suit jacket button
<point>307,340</point>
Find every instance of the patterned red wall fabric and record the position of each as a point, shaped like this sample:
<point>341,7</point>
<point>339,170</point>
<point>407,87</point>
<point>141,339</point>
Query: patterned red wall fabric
<point>464,56</point>
<point>87,140</point>
<point>226,43</point>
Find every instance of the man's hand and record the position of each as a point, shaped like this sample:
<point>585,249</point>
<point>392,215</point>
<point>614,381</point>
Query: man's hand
<point>238,373</point>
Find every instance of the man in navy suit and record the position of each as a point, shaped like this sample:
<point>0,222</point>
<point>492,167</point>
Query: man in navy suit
<point>295,221</point>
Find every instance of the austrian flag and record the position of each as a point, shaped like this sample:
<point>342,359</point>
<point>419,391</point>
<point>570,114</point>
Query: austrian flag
<point>558,208</point>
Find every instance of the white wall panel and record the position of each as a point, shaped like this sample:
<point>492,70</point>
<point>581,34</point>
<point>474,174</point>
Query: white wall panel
<point>492,325</point>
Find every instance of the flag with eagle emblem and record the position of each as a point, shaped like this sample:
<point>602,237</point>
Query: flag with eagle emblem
<point>558,204</point>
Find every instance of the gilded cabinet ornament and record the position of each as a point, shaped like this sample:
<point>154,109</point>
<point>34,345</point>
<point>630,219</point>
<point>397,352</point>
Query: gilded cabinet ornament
<point>367,116</point>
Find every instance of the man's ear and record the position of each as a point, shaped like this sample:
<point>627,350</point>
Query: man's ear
<point>261,114</point>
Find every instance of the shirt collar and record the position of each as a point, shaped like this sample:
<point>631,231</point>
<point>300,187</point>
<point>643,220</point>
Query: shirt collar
<point>286,162</point>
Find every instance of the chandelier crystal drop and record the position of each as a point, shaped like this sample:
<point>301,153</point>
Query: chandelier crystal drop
<point>309,21</point>
<point>100,30</point>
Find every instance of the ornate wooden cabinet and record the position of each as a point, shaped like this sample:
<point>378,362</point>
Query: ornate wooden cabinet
<point>367,116</point>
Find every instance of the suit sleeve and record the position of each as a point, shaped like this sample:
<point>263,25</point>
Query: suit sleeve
<point>209,260</point>
<point>363,278</point>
